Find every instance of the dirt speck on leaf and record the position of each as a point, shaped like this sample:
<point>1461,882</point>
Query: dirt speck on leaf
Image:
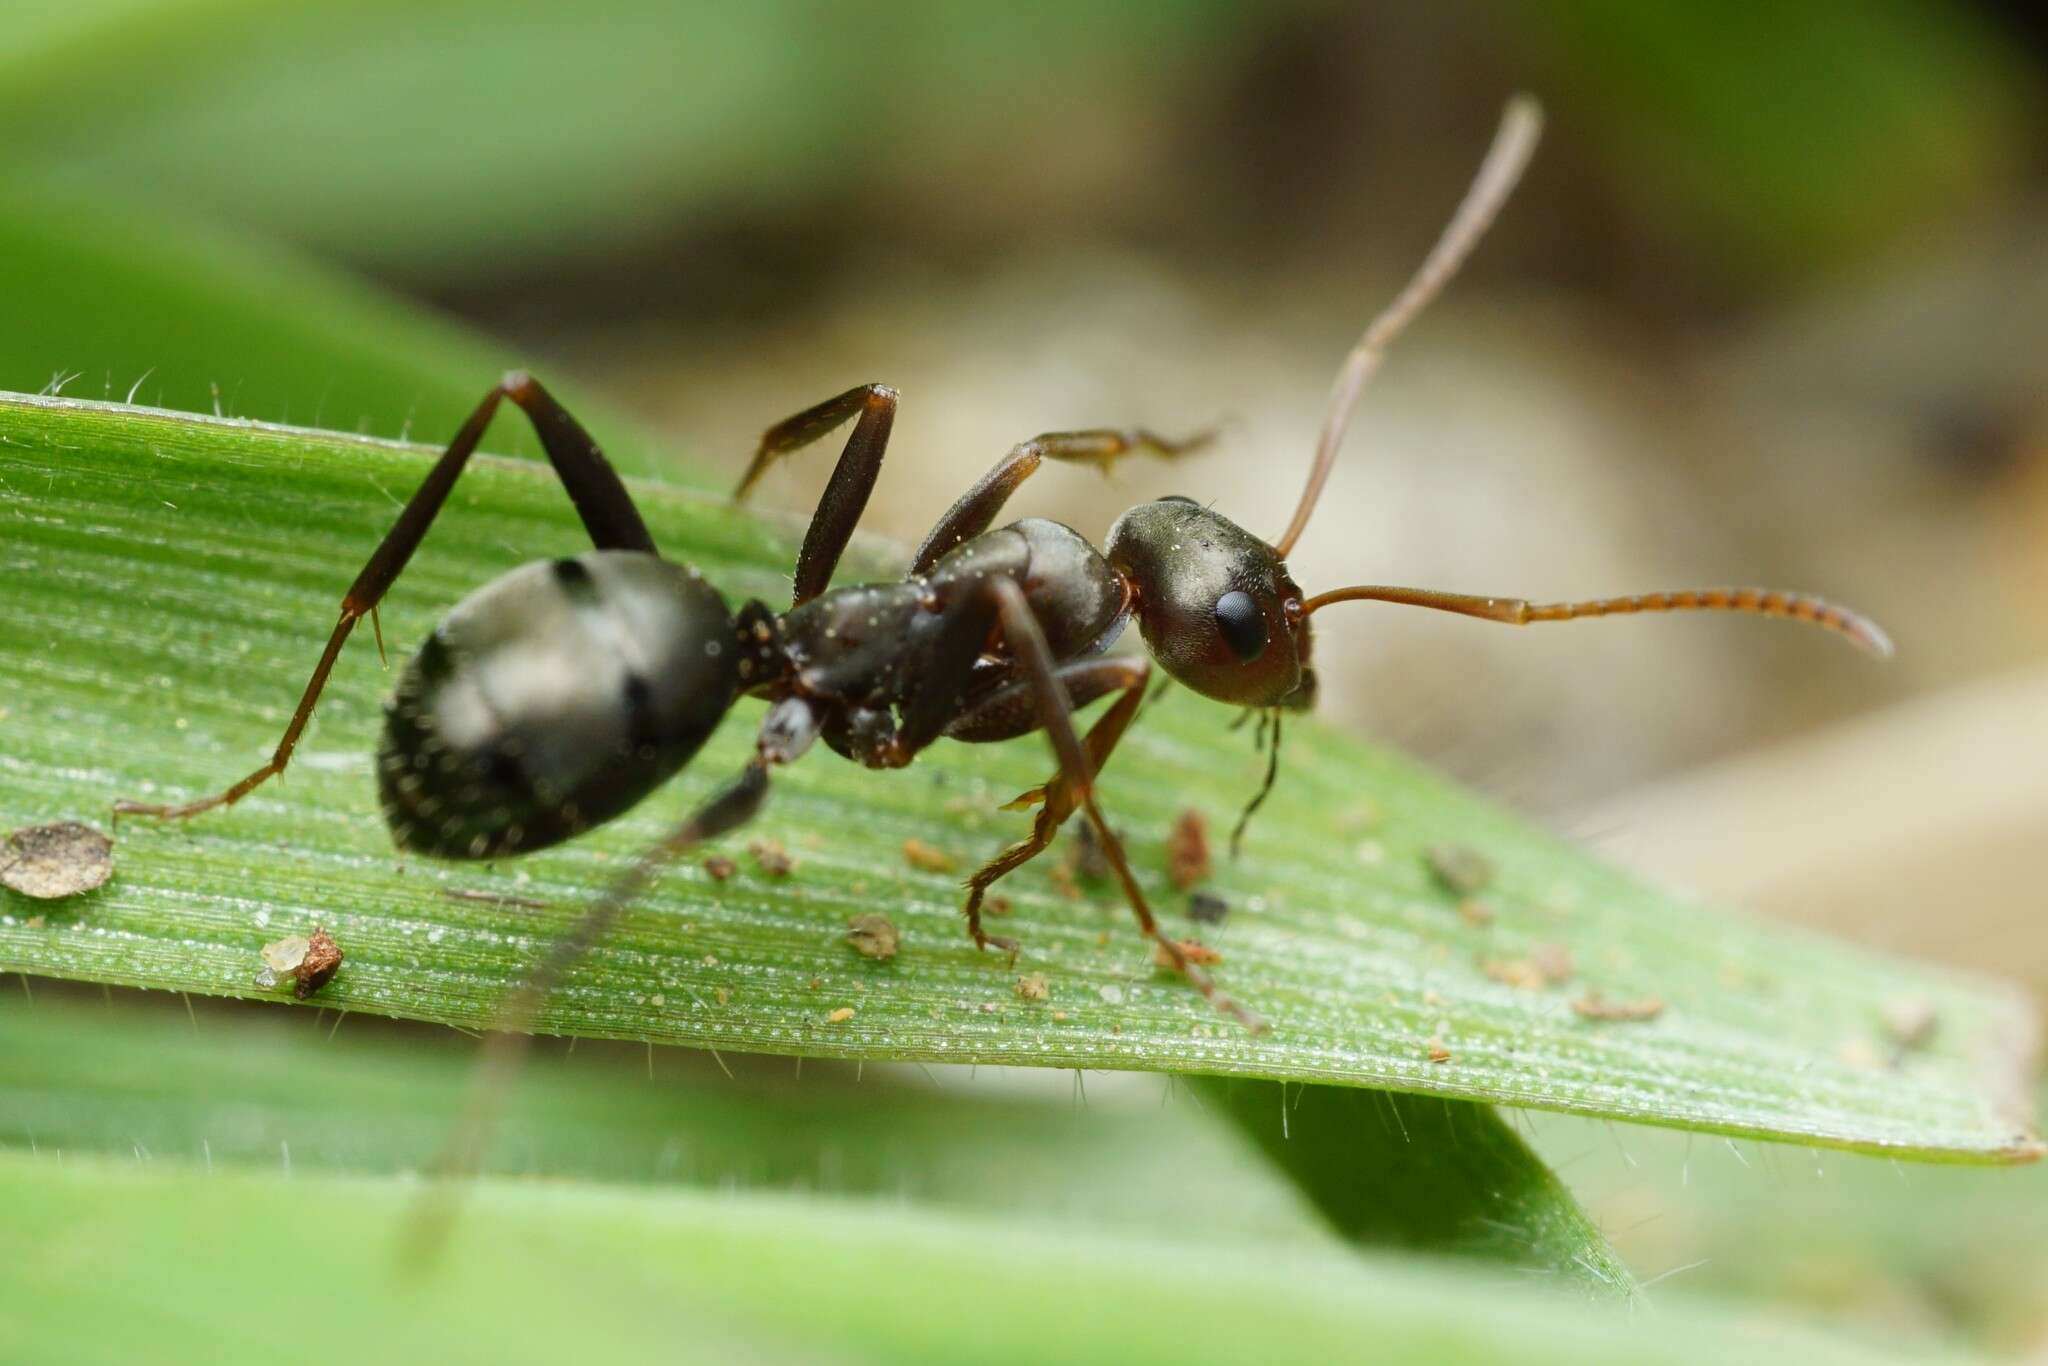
<point>1594,1006</point>
<point>50,862</point>
<point>322,961</point>
<point>1187,850</point>
<point>1475,912</point>
<point>1085,855</point>
<point>719,867</point>
<point>285,956</point>
<point>525,903</point>
<point>1197,953</point>
<point>927,858</point>
<point>771,858</point>
<point>1207,908</point>
<point>1460,868</point>
<point>1910,1021</point>
<point>873,935</point>
<point>1554,961</point>
<point>1033,987</point>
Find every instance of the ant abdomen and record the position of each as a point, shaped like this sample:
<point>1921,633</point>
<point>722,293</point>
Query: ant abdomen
<point>552,699</point>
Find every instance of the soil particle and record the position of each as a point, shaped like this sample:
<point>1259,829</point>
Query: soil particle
<point>873,935</point>
<point>50,862</point>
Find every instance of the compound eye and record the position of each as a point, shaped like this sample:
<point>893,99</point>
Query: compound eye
<point>1242,623</point>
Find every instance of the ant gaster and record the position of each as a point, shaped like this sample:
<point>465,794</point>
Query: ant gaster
<point>559,695</point>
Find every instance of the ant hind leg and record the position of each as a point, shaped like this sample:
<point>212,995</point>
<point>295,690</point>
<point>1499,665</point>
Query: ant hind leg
<point>600,499</point>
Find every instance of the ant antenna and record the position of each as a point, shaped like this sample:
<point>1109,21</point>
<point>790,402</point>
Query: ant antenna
<point>1857,628</point>
<point>1520,125</point>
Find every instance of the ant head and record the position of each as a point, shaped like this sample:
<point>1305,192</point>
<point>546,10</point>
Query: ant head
<point>1215,604</point>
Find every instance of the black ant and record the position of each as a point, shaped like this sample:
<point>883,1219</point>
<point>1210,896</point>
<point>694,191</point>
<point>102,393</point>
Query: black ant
<point>559,695</point>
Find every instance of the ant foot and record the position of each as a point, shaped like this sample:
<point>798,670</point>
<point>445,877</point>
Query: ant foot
<point>1010,947</point>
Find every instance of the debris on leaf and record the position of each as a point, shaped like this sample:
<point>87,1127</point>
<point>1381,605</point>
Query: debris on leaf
<point>1361,817</point>
<point>1593,1006</point>
<point>1437,1051</point>
<point>997,905</point>
<point>1460,868</point>
<point>927,858</point>
<point>308,962</point>
<point>1910,1022</point>
<point>1195,951</point>
<point>1207,908</point>
<point>53,861</point>
<point>1514,972</point>
<point>525,903</point>
<point>1062,876</point>
<point>840,1016</point>
<point>322,961</point>
<point>1475,912</point>
<point>719,867</point>
<point>1546,965</point>
<point>1554,961</point>
<point>873,935</point>
<point>1033,987</point>
<point>1187,850</point>
<point>771,858</point>
<point>1086,856</point>
<point>285,956</point>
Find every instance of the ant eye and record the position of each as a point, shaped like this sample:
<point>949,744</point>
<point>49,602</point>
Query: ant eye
<point>1242,623</point>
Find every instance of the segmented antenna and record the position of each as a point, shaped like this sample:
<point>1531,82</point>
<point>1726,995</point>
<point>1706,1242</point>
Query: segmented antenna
<point>1520,126</point>
<point>1767,602</point>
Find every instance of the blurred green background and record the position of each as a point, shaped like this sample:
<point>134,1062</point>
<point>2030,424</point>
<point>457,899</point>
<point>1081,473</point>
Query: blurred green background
<point>1772,306</point>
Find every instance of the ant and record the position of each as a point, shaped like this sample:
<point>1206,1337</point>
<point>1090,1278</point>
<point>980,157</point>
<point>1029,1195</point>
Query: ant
<point>559,695</point>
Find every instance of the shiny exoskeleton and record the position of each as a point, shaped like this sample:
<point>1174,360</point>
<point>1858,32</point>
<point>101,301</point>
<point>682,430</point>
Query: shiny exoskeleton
<point>561,694</point>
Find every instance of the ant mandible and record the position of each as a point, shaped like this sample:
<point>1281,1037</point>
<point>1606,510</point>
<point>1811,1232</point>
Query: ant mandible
<point>559,695</point>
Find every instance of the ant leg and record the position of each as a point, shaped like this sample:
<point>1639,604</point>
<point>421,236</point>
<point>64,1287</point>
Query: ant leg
<point>1077,775</point>
<point>504,1049</point>
<point>853,478</point>
<point>979,506</point>
<point>1013,711</point>
<point>601,501</point>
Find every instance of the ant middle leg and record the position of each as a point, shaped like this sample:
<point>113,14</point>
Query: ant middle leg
<point>978,508</point>
<point>1075,780</point>
<point>853,478</point>
<point>594,488</point>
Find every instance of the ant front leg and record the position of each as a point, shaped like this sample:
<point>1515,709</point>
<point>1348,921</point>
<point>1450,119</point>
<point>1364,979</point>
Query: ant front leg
<point>1076,778</point>
<point>600,499</point>
<point>979,507</point>
<point>1016,709</point>
<point>853,478</point>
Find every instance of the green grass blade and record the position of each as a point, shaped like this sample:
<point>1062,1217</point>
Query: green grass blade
<point>238,1084</point>
<point>274,1089</point>
<point>167,582</point>
<point>247,1267</point>
<point>1387,1169</point>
